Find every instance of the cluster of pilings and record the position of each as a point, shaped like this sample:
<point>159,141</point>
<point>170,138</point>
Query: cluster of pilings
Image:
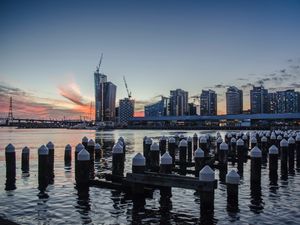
<point>166,162</point>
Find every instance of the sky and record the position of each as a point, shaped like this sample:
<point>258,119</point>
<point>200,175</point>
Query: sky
<point>49,51</point>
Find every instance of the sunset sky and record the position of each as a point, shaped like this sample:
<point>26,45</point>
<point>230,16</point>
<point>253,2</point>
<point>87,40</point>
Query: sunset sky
<point>50,50</point>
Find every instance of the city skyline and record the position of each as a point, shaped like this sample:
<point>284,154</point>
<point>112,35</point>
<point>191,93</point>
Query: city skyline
<point>50,51</point>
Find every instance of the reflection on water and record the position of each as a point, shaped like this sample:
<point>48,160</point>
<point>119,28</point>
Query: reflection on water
<point>68,205</point>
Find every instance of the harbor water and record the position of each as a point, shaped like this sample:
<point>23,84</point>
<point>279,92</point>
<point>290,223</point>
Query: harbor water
<point>279,204</point>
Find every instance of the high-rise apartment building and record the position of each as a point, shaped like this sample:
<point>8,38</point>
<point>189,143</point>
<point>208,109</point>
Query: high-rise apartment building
<point>234,100</point>
<point>160,108</point>
<point>208,103</point>
<point>105,98</point>
<point>178,102</point>
<point>259,100</point>
<point>126,110</point>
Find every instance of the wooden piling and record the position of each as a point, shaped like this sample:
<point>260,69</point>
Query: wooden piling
<point>207,197</point>
<point>182,156</point>
<point>284,157</point>
<point>273,164</point>
<point>84,142</point>
<point>10,159</point>
<point>83,163</point>
<point>117,160</point>
<point>163,145</point>
<point>203,145</point>
<point>98,152</point>
<point>298,151</point>
<point>148,143</point>
<point>154,157</point>
<point>172,148</point>
<point>50,147</point>
<point>190,149</point>
<point>25,159</point>
<point>138,163</point>
<point>223,160</point>
<point>68,155</point>
<point>166,165</point>
<point>255,173</point>
<point>199,161</point>
<point>240,156</point>
<point>91,150</point>
<point>195,142</point>
<point>291,155</point>
<point>232,183</point>
<point>43,168</point>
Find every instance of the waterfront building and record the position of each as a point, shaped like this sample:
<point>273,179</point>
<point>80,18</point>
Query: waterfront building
<point>208,103</point>
<point>105,98</point>
<point>286,101</point>
<point>273,102</point>
<point>259,102</point>
<point>157,109</point>
<point>126,110</point>
<point>234,100</point>
<point>192,109</point>
<point>178,102</point>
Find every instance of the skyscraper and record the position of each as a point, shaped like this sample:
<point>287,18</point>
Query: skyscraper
<point>178,102</point>
<point>259,101</point>
<point>273,101</point>
<point>208,103</point>
<point>105,98</point>
<point>287,101</point>
<point>126,110</point>
<point>234,100</point>
<point>160,108</point>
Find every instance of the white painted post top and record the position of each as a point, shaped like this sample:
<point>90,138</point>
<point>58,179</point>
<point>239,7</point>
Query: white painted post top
<point>264,139</point>
<point>245,137</point>
<point>199,153</point>
<point>50,145</point>
<point>91,142</point>
<point>148,141</point>
<point>255,152</point>
<point>240,142</point>
<point>172,140</point>
<point>43,150</point>
<point>291,140</point>
<point>85,139</point>
<point>195,135</point>
<point>166,159</point>
<point>298,137</point>
<point>154,147</point>
<point>284,143</point>
<point>25,150</point>
<point>183,143</point>
<point>223,146</point>
<point>117,149</point>
<point>203,140</point>
<point>83,155</point>
<point>138,160</point>
<point>10,148</point>
<point>279,137</point>
<point>233,140</point>
<point>68,147</point>
<point>232,177</point>
<point>189,139</point>
<point>273,150</point>
<point>97,146</point>
<point>79,147</point>
<point>206,174</point>
<point>219,140</point>
<point>253,140</point>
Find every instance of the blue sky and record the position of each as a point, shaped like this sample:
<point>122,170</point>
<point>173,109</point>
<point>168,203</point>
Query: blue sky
<point>50,46</point>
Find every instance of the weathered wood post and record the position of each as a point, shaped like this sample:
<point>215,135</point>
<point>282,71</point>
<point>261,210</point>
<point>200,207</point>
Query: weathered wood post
<point>154,157</point>
<point>207,196</point>
<point>144,143</point>
<point>83,163</point>
<point>91,150</point>
<point>233,150</point>
<point>43,169</point>
<point>199,161</point>
<point>68,155</point>
<point>283,157</point>
<point>273,139</point>
<point>10,159</point>
<point>138,163</point>
<point>245,138</point>
<point>163,145</point>
<point>190,148</point>
<point>255,173</point>
<point>298,151</point>
<point>84,142</point>
<point>232,183</point>
<point>182,156</point>
<point>166,165</point>
<point>278,140</point>
<point>223,161</point>
<point>253,142</point>
<point>25,160</point>
<point>195,142</point>
<point>240,156</point>
<point>291,155</point>
<point>78,148</point>
<point>50,147</point>
<point>172,148</point>
<point>148,143</point>
<point>203,145</point>
<point>218,141</point>
<point>123,144</point>
<point>98,152</point>
<point>264,149</point>
<point>117,160</point>
<point>273,164</point>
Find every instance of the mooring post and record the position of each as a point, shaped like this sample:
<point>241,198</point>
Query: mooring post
<point>283,157</point>
<point>273,164</point>
<point>232,183</point>
<point>207,196</point>
<point>84,142</point>
<point>138,163</point>
<point>98,152</point>
<point>199,161</point>
<point>25,160</point>
<point>182,156</point>
<point>148,143</point>
<point>291,155</point>
<point>195,142</point>
<point>83,163</point>
<point>43,168</point>
<point>172,148</point>
<point>123,144</point>
<point>154,157</point>
<point>255,173</point>
<point>50,147</point>
<point>298,151</point>
<point>91,150</point>
<point>273,139</point>
<point>223,161</point>
<point>162,145</point>
<point>166,165</point>
<point>253,142</point>
<point>218,141</point>
<point>203,145</point>
<point>10,159</point>
<point>190,149</point>
<point>68,155</point>
<point>78,148</point>
<point>144,143</point>
<point>137,189</point>
<point>278,140</point>
<point>233,150</point>
<point>264,148</point>
<point>117,160</point>
<point>240,145</point>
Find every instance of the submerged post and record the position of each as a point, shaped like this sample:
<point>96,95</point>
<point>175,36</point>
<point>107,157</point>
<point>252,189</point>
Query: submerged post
<point>207,197</point>
<point>232,182</point>
<point>82,177</point>
<point>199,161</point>
<point>117,160</point>
<point>162,145</point>
<point>223,162</point>
<point>182,156</point>
<point>43,172</point>
<point>240,156</point>
<point>172,148</point>
<point>190,148</point>
<point>255,173</point>
<point>195,142</point>
<point>68,155</point>
<point>273,164</point>
<point>25,159</point>
<point>154,157</point>
<point>98,152</point>
<point>138,163</point>
<point>50,147</point>
<point>166,165</point>
<point>283,157</point>
<point>291,155</point>
<point>10,159</point>
<point>298,151</point>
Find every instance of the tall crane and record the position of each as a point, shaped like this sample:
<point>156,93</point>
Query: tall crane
<point>98,67</point>
<point>128,92</point>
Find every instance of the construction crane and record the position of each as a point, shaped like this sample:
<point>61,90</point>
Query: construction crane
<point>98,67</point>
<point>128,92</point>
